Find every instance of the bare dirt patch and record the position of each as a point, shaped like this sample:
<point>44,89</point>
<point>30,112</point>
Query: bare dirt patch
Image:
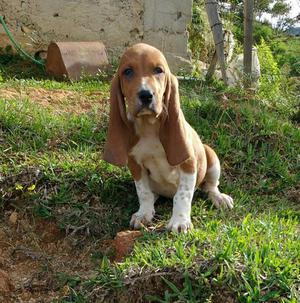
<point>36,259</point>
<point>59,99</point>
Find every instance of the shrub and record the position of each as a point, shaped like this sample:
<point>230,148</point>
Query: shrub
<point>270,79</point>
<point>295,66</point>
<point>200,37</point>
<point>262,31</point>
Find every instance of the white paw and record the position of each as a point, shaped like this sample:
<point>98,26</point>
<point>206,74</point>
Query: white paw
<point>140,219</point>
<point>222,200</point>
<point>180,224</point>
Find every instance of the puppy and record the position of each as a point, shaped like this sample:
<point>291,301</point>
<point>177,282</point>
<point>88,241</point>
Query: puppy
<point>148,133</point>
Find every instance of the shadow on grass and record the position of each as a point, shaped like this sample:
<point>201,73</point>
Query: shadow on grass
<point>13,66</point>
<point>85,201</point>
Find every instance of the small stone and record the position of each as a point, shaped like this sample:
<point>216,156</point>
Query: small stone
<point>124,242</point>
<point>13,218</point>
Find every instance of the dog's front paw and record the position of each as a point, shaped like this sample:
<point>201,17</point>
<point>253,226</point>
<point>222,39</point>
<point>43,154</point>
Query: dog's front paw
<point>222,200</point>
<point>180,224</point>
<point>140,219</point>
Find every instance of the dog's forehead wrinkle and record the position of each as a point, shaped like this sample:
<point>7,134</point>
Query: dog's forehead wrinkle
<point>143,53</point>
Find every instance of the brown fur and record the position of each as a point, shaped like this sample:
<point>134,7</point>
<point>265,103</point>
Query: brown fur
<point>135,169</point>
<point>211,156</point>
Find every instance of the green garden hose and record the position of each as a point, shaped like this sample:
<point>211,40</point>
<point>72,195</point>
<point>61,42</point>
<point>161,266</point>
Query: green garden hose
<point>17,46</point>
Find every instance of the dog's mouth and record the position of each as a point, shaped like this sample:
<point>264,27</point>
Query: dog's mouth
<point>149,110</point>
<point>148,115</point>
<point>146,112</point>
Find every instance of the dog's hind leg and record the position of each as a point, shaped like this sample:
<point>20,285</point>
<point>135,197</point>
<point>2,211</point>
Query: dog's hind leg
<point>211,180</point>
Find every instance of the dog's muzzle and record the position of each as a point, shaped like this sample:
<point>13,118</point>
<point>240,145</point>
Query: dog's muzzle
<point>146,102</point>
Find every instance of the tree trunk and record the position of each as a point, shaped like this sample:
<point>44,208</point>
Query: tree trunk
<point>248,41</point>
<point>212,66</point>
<point>216,26</point>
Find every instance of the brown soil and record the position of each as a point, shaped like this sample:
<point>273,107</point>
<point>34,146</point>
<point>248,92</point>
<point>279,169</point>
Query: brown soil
<point>59,100</point>
<point>124,242</point>
<point>36,257</point>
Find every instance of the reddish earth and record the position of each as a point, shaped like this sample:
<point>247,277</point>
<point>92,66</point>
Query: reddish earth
<point>6,285</point>
<point>124,242</point>
<point>60,100</point>
<point>35,256</point>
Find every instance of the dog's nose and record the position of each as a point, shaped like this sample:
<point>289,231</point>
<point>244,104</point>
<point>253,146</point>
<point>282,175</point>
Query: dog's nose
<point>146,96</point>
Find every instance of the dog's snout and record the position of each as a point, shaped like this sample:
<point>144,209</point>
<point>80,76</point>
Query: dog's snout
<point>146,96</point>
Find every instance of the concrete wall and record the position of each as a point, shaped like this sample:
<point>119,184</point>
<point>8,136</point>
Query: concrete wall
<point>118,23</point>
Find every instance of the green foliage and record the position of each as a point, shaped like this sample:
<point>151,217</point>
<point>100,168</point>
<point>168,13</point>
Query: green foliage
<point>294,63</point>
<point>270,79</point>
<point>262,31</point>
<point>280,8</point>
<point>188,293</point>
<point>200,36</point>
<point>286,51</point>
<point>279,50</point>
<point>275,7</point>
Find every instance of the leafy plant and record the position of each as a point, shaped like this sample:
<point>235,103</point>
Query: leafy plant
<point>174,293</point>
<point>200,37</point>
<point>270,79</point>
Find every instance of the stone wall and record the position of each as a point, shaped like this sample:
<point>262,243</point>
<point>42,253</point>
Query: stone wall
<point>118,23</point>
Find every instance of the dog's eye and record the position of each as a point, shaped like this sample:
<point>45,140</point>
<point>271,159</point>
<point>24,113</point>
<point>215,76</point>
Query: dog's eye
<point>128,72</point>
<point>158,70</point>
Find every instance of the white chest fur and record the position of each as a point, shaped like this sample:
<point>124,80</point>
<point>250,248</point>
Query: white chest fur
<point>150,154</point>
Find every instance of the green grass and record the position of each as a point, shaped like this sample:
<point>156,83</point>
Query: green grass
<point>51,167</point>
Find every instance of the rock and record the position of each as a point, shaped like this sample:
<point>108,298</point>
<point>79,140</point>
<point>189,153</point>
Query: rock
<point>6,284</point>
<point>13,218</point>
<point>124,242</point>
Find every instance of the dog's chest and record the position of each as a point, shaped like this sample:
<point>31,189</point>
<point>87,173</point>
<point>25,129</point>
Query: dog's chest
<point>150,154</point>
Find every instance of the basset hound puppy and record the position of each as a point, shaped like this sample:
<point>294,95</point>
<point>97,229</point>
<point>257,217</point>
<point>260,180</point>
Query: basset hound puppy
<point>148,133</point>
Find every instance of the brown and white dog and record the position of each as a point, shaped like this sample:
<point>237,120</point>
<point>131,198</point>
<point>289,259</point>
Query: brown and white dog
<point>148,133</point>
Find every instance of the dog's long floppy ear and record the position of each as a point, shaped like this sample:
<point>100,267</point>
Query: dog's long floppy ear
<point>117,143</point>
<point>173,133</point>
